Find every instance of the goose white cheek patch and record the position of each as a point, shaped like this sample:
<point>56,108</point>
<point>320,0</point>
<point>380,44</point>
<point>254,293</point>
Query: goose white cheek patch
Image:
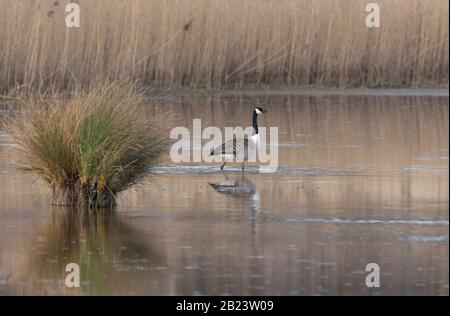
<point>203,145</point>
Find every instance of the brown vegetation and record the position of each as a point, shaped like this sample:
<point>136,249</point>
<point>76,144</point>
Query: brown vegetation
<point>203,43</point>
<point>90,146</point>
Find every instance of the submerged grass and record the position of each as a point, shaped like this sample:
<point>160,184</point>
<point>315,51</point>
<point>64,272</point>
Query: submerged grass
<point>89,146</point>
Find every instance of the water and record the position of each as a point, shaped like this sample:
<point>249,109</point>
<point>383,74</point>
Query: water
<point>362,179</point>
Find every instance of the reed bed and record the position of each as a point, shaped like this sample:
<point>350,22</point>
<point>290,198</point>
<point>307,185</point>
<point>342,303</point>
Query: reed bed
<point>88,146</point>
<point>223,43</point>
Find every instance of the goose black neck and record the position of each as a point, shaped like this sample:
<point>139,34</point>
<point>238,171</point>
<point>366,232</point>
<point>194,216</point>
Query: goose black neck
<point>255,123</point>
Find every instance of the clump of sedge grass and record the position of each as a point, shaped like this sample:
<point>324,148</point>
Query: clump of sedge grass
<point>90,146</point>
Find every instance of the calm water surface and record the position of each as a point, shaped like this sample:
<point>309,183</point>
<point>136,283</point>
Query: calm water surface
<point>361,179</point>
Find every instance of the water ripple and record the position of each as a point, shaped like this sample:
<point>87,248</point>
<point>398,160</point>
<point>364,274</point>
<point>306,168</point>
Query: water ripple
<point>306,170</point>
<point>370,221</point>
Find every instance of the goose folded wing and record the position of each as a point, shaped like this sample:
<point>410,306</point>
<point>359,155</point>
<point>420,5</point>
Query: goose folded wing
<point>231,147</point>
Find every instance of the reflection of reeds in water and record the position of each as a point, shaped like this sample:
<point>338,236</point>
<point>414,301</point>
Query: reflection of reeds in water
<point>90,146</point>
<point>225,42</point>
<point>98,242</point>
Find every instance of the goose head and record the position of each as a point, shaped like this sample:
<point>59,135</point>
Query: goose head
<point>260,110</point>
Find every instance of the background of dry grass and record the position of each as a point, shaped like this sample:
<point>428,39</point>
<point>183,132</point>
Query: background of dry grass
<point>202,43</point>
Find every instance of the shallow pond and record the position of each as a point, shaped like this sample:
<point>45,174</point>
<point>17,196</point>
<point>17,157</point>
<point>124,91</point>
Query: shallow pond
<point>361,179</point>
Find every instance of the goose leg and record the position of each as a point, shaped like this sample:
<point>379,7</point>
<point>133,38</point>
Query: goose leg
<point>221,167</point>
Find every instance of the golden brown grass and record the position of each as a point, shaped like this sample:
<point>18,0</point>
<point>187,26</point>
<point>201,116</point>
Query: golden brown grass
<point>212,43</point>
<point>90,146</point>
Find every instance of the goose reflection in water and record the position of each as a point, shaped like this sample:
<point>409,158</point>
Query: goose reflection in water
<point>238,188</point>
<point>242,189</point>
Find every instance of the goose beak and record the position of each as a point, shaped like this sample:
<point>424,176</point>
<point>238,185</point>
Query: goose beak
<point>264,110</point>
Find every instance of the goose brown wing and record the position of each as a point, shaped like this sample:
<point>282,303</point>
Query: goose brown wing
<point>231,147</point>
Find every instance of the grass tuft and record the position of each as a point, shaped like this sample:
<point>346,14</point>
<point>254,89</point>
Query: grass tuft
<point>89,146</point>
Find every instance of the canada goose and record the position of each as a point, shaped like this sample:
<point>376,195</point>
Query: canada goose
<point>240,147</point>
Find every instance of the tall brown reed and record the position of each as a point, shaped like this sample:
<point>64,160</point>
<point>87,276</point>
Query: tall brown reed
<point>212,43</point>
<point>89,146</point>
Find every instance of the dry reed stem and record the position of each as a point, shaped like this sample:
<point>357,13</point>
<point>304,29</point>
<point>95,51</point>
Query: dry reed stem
<point>217,43</point>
